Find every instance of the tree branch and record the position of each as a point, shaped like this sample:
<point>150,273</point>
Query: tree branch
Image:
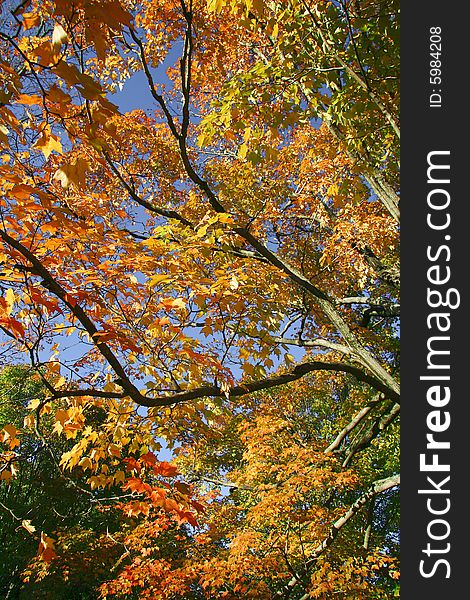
<point>375,429</point>
<point>376,488</point>
<point>358,417</point>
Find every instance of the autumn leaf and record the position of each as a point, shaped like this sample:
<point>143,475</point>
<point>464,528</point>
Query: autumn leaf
<point>46,550</point>
<point>26,524</point>
<point>48,143</point>
<point>62,417</point>
<point>59,35</point>
<point>29,99</point>
<point>31,20</point>
<point>213,273</point>
<point>149,459</point>
<point>165,469</point>
<point>73,173</point>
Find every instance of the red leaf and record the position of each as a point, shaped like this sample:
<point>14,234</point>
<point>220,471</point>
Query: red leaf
<point>132,464</point>
<point>165,469</point>
<point>149,459</point>
<point>14,326</point>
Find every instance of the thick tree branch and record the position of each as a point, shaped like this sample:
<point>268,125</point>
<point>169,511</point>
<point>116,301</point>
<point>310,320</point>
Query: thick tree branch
<point>372,431</point>
<point>378,487</point>
<point>51,284</point>
<point>381,188</point>
<point>186,64</point>
<point>358,418</point>
<point>315,343</point>
<point>269,382</point>
<point>327,304</point>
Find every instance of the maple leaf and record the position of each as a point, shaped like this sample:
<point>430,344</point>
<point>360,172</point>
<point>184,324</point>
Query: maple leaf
<point>29,99</point>
<point>46,551</point>
<point>48,142</point>
<point>149,458</point>
<point>132,464</point>
<point>9,434</point>
<point>165,469</point>
<point>59,35</point>
<point>31,19</point>
<point>73,173</point>
<point>26,524</point>
<point>201,270</point>
<point>135,485</point>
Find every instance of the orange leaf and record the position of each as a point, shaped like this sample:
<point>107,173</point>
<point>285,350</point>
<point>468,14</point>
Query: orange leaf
<point>132,464</point>
<point>72,174</point>
<point>149,458</point>
<point>47,143</point>
<point>29,100</point>
<point>46,548</point>
<point>31,19</point>
<point>14,326</point>
<point>165,469</point>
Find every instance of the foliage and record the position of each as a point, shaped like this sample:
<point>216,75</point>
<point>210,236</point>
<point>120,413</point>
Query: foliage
<point>217,269</point>
<point>36,499</point>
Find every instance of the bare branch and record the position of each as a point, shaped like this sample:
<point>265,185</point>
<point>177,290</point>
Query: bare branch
<point>358,417</point>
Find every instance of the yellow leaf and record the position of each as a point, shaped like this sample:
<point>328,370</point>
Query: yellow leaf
<point>73,173</point>
<point>30,20</point>
<point>114,450</point>
<point>225,218</point>
<point>47,143</point>
<point>59,35</point>
<point>215,5</point>
<point>29,421</point>
<point>119,476</point>
<point>333,189</point>
<point>86,463</point>
<point>26,524</point>
<point>33,404</point>
<point>10,299</point>
<point>156,279</point>
<point>225,389</point>
<point>3,133</point>
<point>61,381</point>
<point>289,358</point>
<point>242,151</point>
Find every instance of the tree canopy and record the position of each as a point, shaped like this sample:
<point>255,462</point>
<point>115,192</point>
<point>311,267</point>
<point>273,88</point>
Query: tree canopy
<point>217,270</point>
